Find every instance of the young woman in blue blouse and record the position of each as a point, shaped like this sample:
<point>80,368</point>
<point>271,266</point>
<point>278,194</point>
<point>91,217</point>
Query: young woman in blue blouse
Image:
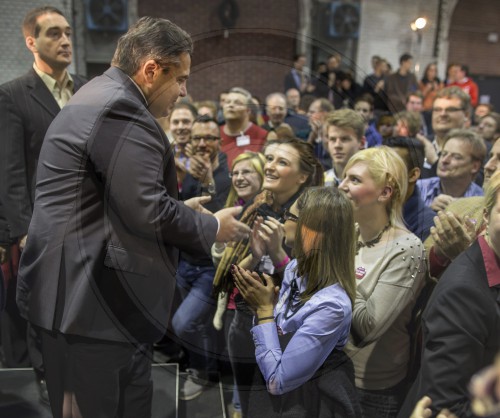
<point>300,332</point>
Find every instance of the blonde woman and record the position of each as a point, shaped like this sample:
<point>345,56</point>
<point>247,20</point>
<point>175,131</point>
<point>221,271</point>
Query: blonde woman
<point>390,272</point>
<point>247,175</point>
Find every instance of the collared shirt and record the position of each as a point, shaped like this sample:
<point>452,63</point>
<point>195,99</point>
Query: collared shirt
<point>431,188</point>
<point>62,93</point>
<point>491,262</point>
<point>319,325</point>
<point>331,179</point>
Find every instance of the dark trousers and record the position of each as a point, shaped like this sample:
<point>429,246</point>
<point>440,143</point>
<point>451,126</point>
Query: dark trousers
<point>383,403</point>
<point>20,342</point>
<point>242,356</point>
<point>95,378</point>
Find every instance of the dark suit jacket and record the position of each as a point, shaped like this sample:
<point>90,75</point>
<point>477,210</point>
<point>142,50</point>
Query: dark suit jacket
<point>289,82</point>
<point>27,108</point>
<point>461,335</point>
<point>103,242</point>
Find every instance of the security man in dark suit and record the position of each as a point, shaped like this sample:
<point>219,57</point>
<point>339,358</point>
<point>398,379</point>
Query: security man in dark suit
<point>28,105</point>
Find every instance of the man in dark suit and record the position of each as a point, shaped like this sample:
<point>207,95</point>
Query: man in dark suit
<point>97,274</point>
<point>296,78</point>
<point>28,105</point>
<point>461,324</point>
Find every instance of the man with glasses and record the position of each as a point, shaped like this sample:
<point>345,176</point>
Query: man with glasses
<point>192,321</point>
<point>458,165</point>
<point>317,113</point>
<point>449,111</point>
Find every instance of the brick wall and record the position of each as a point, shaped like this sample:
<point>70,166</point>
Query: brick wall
<point>471,23</point>
<point>385,31</point>
<point>256,54</point>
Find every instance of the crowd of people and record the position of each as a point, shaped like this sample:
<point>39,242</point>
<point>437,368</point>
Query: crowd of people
<point>338,244</point>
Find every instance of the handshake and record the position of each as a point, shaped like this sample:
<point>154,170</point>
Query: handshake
<point>230,229</point>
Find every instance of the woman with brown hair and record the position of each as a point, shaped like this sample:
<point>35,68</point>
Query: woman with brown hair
<point>290,167</point>
<point>299,335</point>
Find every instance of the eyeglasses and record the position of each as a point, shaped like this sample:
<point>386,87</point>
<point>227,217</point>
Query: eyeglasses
<point>447,110</point>
<point>243,173</point>
<point>207,138</point>
<point>287,216</point>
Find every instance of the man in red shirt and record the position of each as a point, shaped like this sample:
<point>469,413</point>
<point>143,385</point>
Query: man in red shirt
<point>466,83</point>
<point>239,134</point>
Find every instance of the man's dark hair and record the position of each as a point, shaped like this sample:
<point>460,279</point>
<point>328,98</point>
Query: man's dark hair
<point>416,152</point>
<point>324,104</point>
<point>151,38</point>
<point>187,106</point>
<point>297,56</point>
<point>204,119</point>
<point>416,93</point>
<point>405,57</point>
<point>465,69</point>
<point>367,98</point>
<point>30,22</point>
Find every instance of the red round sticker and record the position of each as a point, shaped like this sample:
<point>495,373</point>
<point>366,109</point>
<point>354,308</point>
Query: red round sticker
<point>360,272</point>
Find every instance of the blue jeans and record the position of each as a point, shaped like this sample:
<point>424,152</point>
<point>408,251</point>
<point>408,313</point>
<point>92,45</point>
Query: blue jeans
<point>192,322</point>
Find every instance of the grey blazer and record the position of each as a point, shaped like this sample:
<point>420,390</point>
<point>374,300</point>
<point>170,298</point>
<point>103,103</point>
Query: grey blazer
<point>107,227</point>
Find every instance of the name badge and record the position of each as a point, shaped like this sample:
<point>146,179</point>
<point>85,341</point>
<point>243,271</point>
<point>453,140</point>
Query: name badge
<point>242,140</point>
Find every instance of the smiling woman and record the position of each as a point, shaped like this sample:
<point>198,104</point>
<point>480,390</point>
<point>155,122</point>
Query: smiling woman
<point>390,272</point>
<point>290,166</point>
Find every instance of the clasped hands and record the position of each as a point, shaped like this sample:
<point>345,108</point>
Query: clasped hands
<point>267,238</point>
<point>259,292</point>
<point>451,234</point>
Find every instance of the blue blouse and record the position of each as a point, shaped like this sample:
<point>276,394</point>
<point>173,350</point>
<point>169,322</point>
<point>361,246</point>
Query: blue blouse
<point>319,326</point>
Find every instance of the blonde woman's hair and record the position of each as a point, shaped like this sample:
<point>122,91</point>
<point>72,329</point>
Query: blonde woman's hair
<point>386,168</point>
<point>491,192</point>
<point>257,160</point>
<point>327,213</point>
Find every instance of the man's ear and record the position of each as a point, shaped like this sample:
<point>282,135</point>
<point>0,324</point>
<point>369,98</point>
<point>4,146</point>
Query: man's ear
<point>362,142</point>
<point>476,166</point>
<point>413,175</point>
<point>31,44</point>
<point>150,70</point>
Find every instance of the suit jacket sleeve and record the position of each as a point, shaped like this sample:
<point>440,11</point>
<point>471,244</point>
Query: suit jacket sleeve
<point>455,331</point>
<point>16,197</point>
<point>135,164</point>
